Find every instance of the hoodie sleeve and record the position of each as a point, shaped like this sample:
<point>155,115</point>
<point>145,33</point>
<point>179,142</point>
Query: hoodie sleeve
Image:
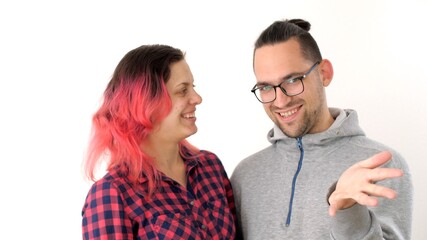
<point>391,219</point>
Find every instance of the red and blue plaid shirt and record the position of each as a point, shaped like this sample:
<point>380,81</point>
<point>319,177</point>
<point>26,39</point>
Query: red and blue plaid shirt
<point>203,210</point>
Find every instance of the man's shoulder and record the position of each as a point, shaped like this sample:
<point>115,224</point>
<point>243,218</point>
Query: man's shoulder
<point>371,146</point>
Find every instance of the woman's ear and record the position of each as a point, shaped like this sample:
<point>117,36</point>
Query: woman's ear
<point>326,72</point>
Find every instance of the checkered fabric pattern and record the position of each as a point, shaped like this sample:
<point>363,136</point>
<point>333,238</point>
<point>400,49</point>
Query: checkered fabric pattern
<point>204,210</point>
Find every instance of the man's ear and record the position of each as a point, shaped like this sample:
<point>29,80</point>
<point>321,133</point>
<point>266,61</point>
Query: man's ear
<point>326,71</point>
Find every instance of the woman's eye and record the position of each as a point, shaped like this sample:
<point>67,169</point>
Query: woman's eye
<point>184,91</point>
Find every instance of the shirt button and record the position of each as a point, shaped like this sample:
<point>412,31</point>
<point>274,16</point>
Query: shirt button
<point>203,227</point>
<point>192,202</point>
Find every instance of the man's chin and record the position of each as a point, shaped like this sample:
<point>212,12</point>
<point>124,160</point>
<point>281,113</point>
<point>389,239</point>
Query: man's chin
<point>291,134</point>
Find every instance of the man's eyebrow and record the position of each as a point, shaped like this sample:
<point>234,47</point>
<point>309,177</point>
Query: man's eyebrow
<point>286,77</point>
<point>263,83</point>
<point>292,75</point>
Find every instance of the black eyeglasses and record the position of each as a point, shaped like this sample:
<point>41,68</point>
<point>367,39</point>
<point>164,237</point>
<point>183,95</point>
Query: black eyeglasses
<point>290,87</point>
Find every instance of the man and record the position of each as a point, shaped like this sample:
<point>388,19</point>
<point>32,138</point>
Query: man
<point>319,160</point>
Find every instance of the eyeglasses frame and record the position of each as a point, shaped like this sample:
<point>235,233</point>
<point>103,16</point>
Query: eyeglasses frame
<point>299,78</point>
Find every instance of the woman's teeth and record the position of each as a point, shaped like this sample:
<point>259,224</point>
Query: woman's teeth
<point>189,115</point>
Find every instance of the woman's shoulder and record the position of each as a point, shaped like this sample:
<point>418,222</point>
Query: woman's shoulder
<point>112,181</point>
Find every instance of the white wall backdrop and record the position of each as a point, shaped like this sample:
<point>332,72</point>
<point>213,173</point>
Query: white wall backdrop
<point>56,57</point>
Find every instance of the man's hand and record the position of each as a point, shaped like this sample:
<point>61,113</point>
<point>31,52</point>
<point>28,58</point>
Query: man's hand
<point>358,184</point>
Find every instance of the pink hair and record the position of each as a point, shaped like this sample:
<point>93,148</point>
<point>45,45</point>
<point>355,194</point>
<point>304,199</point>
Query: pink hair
<point>135,100</point>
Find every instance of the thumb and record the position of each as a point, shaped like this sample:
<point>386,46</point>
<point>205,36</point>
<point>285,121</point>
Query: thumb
<point>332,210</point>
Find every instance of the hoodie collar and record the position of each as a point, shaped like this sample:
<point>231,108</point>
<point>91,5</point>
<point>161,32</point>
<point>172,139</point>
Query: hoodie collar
<point>346,123</point>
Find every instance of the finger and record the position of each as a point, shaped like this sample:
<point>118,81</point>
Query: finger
<point>360,198</point>
<point>380,191</point>
<point>343,201</point>
<point>332,210</point>
<point>376,160</point>
<point>334,207</point>
<point>380,174</point>
<point>364,199</point>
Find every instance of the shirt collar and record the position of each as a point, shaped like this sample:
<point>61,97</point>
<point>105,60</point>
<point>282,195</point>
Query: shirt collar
<point>191,161</point>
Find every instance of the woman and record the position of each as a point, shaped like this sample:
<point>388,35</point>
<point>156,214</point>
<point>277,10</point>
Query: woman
<point>158,186</point>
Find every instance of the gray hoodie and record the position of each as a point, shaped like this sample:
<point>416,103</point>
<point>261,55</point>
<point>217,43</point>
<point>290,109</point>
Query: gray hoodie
<point>281,191</point>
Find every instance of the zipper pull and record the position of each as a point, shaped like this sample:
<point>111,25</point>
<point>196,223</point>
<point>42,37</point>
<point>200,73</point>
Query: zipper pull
<point>299,142</point>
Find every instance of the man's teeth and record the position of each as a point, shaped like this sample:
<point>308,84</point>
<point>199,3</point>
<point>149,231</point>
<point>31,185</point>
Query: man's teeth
<point>289,113</point>
<point>189,115</point>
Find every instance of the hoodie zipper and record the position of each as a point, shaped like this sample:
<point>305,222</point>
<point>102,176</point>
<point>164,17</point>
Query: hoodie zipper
<point>294,180</point>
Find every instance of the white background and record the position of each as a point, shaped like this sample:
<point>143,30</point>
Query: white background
<point>56,58</point>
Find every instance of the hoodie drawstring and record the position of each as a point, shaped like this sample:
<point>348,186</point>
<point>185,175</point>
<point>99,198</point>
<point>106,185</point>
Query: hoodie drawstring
<point>299,142</point>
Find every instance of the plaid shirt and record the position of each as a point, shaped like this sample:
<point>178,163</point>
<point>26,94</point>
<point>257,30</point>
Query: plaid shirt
<point>203,210</point>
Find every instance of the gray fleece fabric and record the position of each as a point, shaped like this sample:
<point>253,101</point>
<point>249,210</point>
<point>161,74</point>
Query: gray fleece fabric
<point>262,185</point>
